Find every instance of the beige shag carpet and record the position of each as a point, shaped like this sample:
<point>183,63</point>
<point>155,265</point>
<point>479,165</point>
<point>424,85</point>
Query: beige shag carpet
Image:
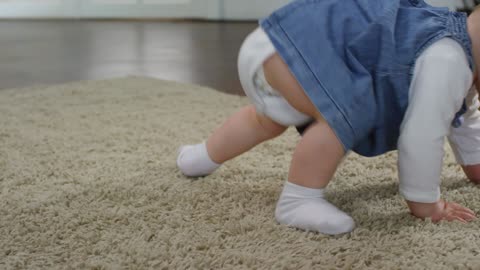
<point>88,181</point>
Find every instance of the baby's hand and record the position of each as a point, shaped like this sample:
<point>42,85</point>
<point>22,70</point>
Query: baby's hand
<point>441,210</point>
<point>451,211</point>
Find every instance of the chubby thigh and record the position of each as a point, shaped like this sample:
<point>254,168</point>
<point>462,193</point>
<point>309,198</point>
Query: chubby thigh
<point>278,75</point>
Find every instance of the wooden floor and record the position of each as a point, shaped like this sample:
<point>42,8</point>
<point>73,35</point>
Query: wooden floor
<point>48,52</point>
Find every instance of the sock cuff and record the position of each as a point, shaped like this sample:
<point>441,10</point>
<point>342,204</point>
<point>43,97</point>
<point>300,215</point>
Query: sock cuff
<point>303,192</point>
<point>208,159</point>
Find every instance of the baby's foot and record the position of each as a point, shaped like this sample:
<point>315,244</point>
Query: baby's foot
<point>194,161</point>
<point>306,209</point>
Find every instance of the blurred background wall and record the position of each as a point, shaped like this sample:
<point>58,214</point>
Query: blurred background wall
<point>203,9</point>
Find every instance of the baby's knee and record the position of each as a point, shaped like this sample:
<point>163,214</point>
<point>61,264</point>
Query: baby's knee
<point>473,173</point>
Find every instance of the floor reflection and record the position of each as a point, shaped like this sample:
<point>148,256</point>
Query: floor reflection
<point>44,52</point>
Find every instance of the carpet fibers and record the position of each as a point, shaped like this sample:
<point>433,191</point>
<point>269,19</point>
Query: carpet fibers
<point>88,181</point>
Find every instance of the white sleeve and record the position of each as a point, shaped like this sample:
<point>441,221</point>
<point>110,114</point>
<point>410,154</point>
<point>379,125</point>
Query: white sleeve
<point>465,140</point>
<point>439,85</point>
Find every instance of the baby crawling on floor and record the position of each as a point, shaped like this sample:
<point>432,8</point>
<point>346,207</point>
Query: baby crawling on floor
<point>356,75</point>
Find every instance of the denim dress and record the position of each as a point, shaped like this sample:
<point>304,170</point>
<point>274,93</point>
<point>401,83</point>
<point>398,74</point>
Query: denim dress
<point>355,60</point>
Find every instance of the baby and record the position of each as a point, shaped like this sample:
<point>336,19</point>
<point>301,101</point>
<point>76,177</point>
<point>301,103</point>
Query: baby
<point>368,76</point>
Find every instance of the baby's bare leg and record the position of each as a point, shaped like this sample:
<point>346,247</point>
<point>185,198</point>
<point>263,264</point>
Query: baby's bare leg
<point>316,157</point>
<point>239,133</point>
<point>472,172</point>
<point>319,152</point>
<point>315,160</point>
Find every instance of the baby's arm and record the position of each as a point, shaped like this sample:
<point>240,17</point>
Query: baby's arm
<point>440,83</point>
<point>441,210</point>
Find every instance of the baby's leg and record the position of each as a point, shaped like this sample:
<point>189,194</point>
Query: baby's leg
<point>315,160</point>
<point>252,124</point>
<point>302,203</point>
<point>240,133</point>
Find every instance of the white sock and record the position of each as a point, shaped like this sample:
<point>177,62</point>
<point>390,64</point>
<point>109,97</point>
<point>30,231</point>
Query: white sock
<point>194,161</point>
<point>306,209</point>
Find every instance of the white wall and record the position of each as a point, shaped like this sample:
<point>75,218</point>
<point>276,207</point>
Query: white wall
<point>105,8</point>
<point>249,9</point>
<point>212,9</point>
<point>452,4</point>
<point>254,9</point>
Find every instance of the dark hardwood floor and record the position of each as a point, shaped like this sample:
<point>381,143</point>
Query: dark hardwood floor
<point>48,52</point>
